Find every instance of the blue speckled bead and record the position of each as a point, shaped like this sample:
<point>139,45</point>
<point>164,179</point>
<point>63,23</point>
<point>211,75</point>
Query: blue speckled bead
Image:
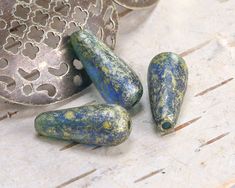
<point>114,79</point>
<point>101,125</point>
<point>167,80</point>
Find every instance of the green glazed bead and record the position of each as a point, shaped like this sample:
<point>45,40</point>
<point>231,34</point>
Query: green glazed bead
<point>167,81</point>
<point>114,79</point>
<point>100,125</point>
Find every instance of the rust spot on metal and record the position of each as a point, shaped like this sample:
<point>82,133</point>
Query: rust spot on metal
<point>8,115</point>
<point>214,87</point>
<point>214,139</point>
<point>149,175</point>
<point>76,179</point>
<point>182,126</point>
<point>69,146</point>
<point>194,49</point>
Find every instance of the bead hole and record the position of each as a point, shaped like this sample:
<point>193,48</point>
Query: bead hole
<point>129,125</point>
<point>166,125</point>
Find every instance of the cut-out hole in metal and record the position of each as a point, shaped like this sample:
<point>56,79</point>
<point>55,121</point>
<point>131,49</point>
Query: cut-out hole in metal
<point>22,12</point>
<point>12,45</point>
<point>35,34</point>
<point>72,27</point>
<point>49,88</point>
<point>8,82</point>
<point>62,8</point>
<point>3,24</point>
<point>30,50</point>
<point>77,80</point>
<point>52,40</point>
<point>107,19</point>
<point>96,9</point>
<point>80,16</point>
<point>30,76</point>
<point>43,3</point>
<point>27,89</point>
<point>100,34</point>
<point>3,63</point>
<point>17,28</point>
<point>63,69</point>
<point>78,65</point>
<point>58,24</point>
<point>109,40</point>
<point>41,18</point>
<point>25,1</point>
<point>108,14</point>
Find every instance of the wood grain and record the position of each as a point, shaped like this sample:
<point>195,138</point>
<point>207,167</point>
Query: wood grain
<point>184,125</point>
<point>194,49</point>
<point>75,179</point>
<point>214,87</point>
<point>214,139</point>
<point>149,175</point>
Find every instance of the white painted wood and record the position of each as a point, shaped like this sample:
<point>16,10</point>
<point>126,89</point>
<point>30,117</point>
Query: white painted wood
<point>174,25</point>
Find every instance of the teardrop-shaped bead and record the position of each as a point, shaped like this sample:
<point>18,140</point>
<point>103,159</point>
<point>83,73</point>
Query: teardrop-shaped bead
<point>101,125</point>
<point>114,79</point>
<point>167,81</point>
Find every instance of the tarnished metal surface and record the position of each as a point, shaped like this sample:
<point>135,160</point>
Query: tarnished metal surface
<point>136,4</point>
<point>37,63</point>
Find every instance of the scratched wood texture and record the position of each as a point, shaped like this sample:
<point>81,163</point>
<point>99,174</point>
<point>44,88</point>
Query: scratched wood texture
<point>201,151</point>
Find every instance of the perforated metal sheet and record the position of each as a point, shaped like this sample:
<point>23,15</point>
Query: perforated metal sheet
<point>37,64</point>
<point>136,4</point>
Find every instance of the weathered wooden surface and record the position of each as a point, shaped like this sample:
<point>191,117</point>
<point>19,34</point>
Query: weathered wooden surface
<point>199,154</point>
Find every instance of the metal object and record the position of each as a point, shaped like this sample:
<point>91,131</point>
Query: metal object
<point>37,63</point>
<point>136,4</point>
<point>122,11</point>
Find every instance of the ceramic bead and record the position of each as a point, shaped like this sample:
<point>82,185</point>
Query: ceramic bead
<point>100,125</point>
<point>167,81</point>
<point>114,79</point>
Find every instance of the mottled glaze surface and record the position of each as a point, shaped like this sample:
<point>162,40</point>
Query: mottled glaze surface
<point>115,80</point>
<point>167,80</point>
<point>101,125</point>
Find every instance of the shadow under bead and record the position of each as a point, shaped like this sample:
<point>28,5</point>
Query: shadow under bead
<point>100,125</point>
<point>114,79</point>
<point>167,81</point>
